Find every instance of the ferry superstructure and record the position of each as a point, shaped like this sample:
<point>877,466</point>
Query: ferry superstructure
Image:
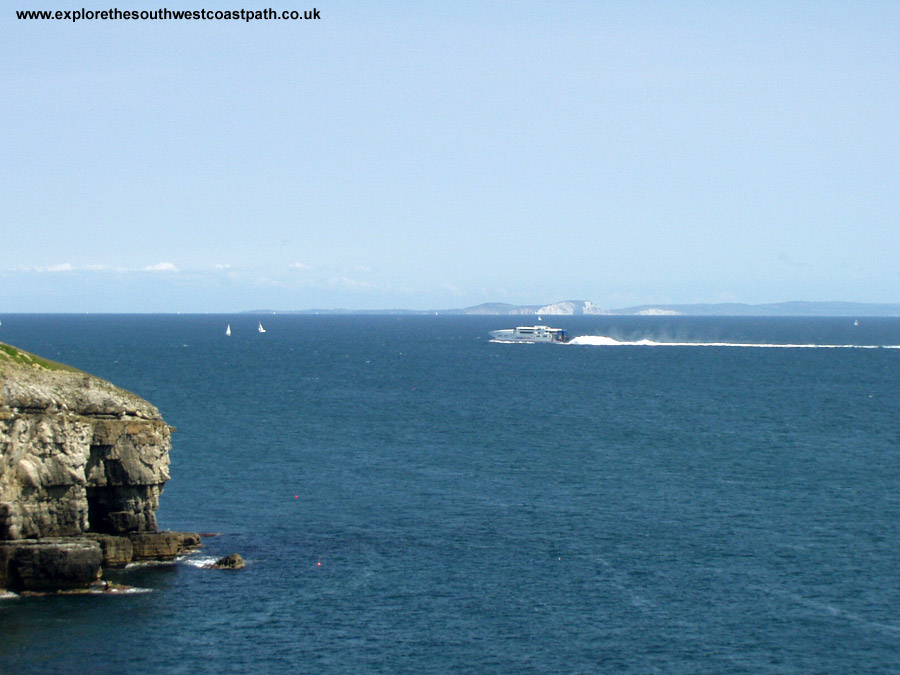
<point>530,334</point>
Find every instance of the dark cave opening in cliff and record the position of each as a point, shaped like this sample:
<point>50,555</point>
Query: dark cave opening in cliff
<point>104,500</point>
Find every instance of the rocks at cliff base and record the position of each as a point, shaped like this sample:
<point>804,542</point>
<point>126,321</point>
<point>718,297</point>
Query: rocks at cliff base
<point>49,564</point>
<point>66,563</point>
<point>229,562</point>
<point>117,551</point>
<point>163,545</point>
<point>190,541</point>
<point>82,466</point>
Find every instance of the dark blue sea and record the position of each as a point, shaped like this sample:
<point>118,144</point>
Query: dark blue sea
<point>413,498</point>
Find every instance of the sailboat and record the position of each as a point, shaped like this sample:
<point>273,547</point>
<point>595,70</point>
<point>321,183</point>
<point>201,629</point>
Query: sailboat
<point>260,328</point>
<point>228,329</point>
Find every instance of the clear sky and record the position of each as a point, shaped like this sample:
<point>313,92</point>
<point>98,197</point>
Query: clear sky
<point>443,154</point>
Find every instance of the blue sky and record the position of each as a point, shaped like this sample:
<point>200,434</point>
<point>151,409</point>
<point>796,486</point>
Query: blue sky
<point>442,154</point>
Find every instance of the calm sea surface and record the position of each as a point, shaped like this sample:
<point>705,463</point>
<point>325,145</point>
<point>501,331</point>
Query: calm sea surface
<point>492,508</point>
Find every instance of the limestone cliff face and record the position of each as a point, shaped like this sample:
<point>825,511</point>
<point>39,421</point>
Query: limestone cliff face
<point>81,460</point>
<point>77,454</point>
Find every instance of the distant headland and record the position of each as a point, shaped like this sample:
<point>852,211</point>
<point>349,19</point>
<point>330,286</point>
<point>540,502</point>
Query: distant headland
<point>588,308</point>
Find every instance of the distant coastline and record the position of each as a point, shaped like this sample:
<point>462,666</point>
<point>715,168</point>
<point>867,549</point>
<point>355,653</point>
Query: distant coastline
<point>587,308</point>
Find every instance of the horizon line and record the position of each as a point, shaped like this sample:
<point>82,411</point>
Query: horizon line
<point>818,307</point>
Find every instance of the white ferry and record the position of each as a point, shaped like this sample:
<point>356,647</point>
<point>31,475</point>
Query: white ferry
<point>530,334</point>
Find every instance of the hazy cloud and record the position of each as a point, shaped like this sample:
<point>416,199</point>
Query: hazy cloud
<point>64,267</point>
<point>161,267</point>
<point>299,266</point>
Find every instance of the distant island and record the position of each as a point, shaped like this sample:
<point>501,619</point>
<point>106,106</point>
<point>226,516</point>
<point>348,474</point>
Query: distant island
<point>588,308</point>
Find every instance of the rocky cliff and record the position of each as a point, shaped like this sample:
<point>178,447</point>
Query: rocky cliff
<point>82,466</point>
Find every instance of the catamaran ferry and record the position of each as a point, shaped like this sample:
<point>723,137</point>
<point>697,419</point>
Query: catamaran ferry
<point>530,334</point>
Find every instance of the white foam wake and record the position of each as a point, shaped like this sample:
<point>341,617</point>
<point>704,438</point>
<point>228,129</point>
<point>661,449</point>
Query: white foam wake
<point>129,590</point>
<point>604,341</point>
<point>197,561</point>
<point>149,563</point>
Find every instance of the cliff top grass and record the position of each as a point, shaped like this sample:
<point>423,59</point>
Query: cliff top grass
<point>10,354</point>
<point>29,381</point>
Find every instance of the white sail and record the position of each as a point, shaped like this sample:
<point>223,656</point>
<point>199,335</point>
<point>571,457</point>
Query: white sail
<point>260,328</point>
<point>228,329</point>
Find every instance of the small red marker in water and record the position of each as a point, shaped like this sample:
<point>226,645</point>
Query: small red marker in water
<point>319,564</point>
<point>296,496</point>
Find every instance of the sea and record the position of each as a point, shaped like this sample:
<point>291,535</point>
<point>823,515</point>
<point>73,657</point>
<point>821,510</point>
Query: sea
<point>664,494</point>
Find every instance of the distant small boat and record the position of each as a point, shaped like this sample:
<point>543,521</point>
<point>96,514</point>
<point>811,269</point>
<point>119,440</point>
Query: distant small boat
<point>856,322</point>
<point>260,328</point>
<point>228,329</point>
